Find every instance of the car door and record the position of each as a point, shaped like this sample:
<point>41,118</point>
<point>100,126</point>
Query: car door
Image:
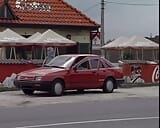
<point>94,71</point>
<point>82,76</point>
<point>102,73</point>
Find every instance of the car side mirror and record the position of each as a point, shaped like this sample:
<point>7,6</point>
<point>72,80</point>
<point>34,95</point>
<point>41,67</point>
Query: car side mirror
<point>75,68</point>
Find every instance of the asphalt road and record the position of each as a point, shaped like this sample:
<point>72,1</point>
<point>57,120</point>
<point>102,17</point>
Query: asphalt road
<point>131,112</point>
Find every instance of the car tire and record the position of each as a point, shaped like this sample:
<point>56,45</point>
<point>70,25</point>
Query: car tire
<point>57,88</point>
<point>28,91</point>
<point>108,86</point>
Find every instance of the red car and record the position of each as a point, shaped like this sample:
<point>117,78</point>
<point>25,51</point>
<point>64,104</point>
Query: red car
<point>70,72</point>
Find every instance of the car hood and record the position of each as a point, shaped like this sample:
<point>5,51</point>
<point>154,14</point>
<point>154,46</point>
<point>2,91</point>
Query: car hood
<point>41,71</point>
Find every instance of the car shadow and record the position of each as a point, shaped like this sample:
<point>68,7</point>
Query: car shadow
<point>71,93</point>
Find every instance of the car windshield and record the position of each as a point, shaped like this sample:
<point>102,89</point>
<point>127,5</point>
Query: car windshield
<point>61,62</point>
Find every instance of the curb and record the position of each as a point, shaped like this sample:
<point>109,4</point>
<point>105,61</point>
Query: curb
<point>138,85</point>
<point>2,89</point>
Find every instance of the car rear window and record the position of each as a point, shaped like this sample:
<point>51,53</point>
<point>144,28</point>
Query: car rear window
<point>101,65</point>
<point>108,63</point>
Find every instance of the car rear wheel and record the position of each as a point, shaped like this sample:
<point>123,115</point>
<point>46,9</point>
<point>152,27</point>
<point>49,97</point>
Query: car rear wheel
<point>108,86</point>
<point>28,91</point>
<point>57,88</point>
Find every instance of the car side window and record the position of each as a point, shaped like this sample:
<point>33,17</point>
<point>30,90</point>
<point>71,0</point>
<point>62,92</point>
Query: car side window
<point>94,63</point>
<point>101,65</point>
<point>78,60</point>
<point>84,66</point>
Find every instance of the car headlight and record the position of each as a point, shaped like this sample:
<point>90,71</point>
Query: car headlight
<point>18,77</point>
<point>38,78</point>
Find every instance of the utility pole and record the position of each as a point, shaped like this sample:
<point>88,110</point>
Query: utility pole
<point>102,26</point>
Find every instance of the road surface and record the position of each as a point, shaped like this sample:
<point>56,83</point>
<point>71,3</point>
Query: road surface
<point>125,112</point>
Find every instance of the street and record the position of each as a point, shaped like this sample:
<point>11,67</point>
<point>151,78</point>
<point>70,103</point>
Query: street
<point>129,110</point>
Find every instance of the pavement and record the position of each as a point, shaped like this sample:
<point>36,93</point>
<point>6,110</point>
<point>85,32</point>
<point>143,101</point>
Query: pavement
<point>131,112</point>
<point>18,99</point>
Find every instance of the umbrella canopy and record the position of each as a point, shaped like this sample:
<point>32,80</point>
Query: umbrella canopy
<point>51,38</point>
<point>35,35</point>
<point>48,39</point>
<point>135,42</point>
<point>138,42</point>
<point>116,44</point>
<point>11,38</point>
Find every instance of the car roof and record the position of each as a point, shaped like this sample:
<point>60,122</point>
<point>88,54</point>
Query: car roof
<point>78,55</point>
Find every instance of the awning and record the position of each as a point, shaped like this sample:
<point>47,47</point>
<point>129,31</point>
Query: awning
<point>135,42</point>
<point>116,44</point>
<point>47,39</point>
<point>35,35</point>
<point>51,38</point>
<point>11,38</point>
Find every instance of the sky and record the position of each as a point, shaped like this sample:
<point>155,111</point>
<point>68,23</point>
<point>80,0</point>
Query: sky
<point>123,20</point>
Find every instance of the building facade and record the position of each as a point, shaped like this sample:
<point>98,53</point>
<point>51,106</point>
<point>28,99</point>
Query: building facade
<point>27,17</point>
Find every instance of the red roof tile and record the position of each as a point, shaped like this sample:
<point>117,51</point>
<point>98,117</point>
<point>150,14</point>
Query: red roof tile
<point>59,13</point>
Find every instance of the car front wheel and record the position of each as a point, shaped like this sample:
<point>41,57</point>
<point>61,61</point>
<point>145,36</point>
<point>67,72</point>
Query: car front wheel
<point>108,86</point>
<point>57,88</point>
<point>28,91</point>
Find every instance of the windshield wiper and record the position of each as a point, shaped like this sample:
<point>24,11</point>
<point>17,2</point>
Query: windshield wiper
<point>52,66</point>
<point>47,65</point>
<point>57,66</point>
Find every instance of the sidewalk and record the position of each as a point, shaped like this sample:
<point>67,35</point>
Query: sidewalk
<point>2,89</point>
<point>138,85</point>
<point>18,99</point>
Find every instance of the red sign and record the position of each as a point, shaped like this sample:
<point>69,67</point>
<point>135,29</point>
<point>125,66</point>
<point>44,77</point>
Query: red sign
<point>155,75</point>
<point>143,73</point>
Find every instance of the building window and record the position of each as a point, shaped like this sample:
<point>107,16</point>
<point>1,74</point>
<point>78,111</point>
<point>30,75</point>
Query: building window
<point>6,11</point>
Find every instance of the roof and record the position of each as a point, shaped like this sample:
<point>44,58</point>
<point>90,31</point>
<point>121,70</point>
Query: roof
<point>155,39</point>
<point>46,12</point>
<point>135,42</point>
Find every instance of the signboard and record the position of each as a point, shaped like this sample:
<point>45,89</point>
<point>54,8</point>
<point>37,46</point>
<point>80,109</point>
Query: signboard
<point>96,40</point>
<point>155,75</point>
<point>141,73</point>
<point>25,5</point>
